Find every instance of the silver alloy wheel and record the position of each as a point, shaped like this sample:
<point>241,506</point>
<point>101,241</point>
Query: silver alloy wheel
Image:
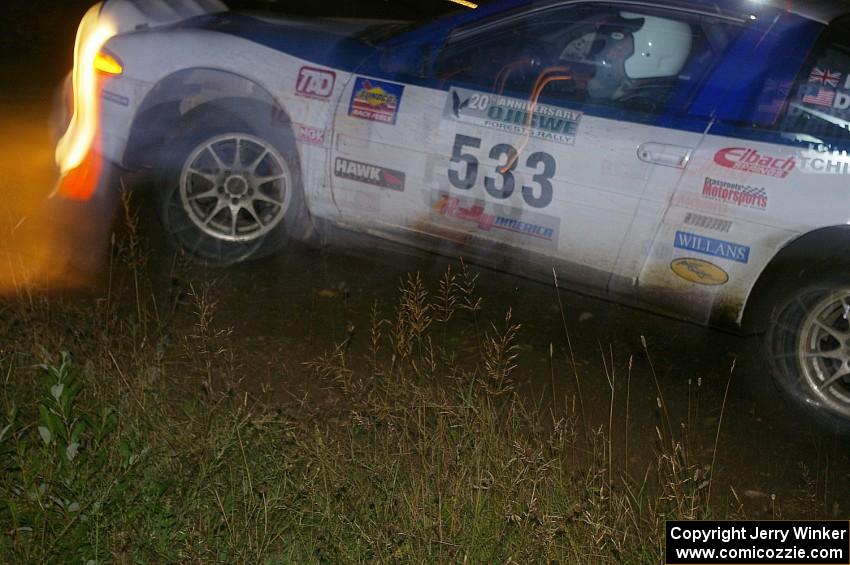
<point>235,187</point>
<point>823,351</point>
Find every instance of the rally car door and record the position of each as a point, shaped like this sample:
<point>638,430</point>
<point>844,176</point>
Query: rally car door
<point>772,166</point>
<point>530,154</point>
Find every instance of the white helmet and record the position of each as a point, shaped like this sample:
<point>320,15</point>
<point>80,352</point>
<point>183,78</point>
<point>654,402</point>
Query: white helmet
<point>662,47</point>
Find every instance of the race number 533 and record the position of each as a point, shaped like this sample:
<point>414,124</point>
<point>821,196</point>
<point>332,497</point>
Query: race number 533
<point>502,183</point>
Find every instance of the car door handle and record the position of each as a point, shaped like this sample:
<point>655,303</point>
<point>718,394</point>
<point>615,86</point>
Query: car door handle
<point>665,155</point>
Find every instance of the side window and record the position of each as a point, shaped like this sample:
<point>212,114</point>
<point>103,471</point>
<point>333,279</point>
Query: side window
<point>818,111</point>
<point>631,59</point>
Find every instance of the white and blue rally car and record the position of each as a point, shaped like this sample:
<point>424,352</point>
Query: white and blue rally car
<point>687,155</point>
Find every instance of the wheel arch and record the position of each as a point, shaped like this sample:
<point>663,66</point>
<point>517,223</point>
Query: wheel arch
<point>182,92</point>
<point>823,250</point>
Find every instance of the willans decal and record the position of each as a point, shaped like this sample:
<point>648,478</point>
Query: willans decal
<point>513,115</point>
<point>375,100</point>
<point>750,160</point>
<point>713,247</point>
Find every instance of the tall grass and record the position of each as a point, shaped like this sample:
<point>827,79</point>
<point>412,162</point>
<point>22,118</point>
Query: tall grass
<point>121,442</point>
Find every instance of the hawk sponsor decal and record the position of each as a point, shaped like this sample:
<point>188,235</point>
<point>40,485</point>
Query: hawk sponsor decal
<point>309,134</point>
<point>827,90</point>
<point>543,230</point>
<point>739,194</point>
<point>315,83</point>
<point>375,100</point>
<point>713,247</point>
<point>369,174</point>
<point>750,160</point>
<point>115,98</point>
<point>707,222</point>
<point>699,272</point>
<point>513,115</point>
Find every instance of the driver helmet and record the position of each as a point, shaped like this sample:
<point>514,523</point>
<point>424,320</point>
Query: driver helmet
<point>640,47</point>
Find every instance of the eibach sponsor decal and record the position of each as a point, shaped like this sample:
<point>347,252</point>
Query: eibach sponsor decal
<point>699,271</point>
<point>309,134</point>
<point>822,89</point>
<point>315,83</point>
<point>739,194</point>
<point>539,229</point>
<point>375,100</point>
<point>751,161</point>
<point>714,247</point>
<point>513,115</point>
<point>369,174</point>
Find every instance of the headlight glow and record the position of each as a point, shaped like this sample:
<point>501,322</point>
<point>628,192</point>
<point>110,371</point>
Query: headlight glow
<point>74,145</point>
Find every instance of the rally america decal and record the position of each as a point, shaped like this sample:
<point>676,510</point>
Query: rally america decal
<point>751,161</point>
<point>375,100</point>
<point>713,247</point>
<point>539,229</point>
<point>369,174</point>
<point>513,115</point>
<point>745,196</point>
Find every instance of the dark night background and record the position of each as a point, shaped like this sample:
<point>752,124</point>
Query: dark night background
<point>37,39</point>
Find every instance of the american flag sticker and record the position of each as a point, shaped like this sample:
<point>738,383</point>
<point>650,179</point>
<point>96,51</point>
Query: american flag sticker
<point>824,97</point>
<point>825,77</point>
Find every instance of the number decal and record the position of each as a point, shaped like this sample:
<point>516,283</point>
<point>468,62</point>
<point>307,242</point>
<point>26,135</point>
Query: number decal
<point>458,156</point>
<point>479,102</point>
<point>542,179</point>
<point>502,149</point>
<point>503,188</point>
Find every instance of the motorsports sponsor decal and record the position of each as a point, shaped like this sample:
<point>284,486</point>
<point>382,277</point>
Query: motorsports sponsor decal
<point>538,228</point>
<point>369,174</point>
<point>828,88</point>
<point>699,272</point>
<point>742,195</point>
<point>751,161</point>
<point>513,115</point>
<point>315,83</point>
<point>713,247</point>
<point>375,100</point>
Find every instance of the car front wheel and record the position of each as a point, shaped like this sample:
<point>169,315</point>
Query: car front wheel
<point>229,188</point>
<point>808,348</point>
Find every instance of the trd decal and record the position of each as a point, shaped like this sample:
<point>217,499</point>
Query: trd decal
<point>503,183</point>
<point>315,83</point>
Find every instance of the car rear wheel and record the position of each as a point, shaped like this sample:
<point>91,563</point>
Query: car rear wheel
<point>807,345</point>
<point>229,187</point>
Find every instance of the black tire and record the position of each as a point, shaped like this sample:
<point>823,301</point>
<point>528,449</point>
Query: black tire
<point>210,205</point>
<point>807,348</point>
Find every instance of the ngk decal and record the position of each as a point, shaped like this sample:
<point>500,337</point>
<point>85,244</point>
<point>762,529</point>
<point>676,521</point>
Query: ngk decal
<point>309,134</point>
<point>315,83</point>
<point>750,160</point>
